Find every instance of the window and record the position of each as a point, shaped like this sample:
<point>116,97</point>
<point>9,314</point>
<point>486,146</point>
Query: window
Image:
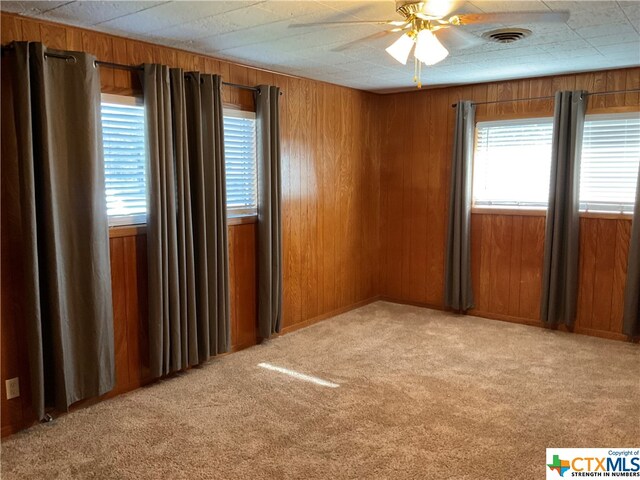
<point>610,158</point>
<point>240,162</point>
<point>123,138</point>
<point>512,163</point>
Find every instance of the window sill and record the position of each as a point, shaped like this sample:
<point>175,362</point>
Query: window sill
<point>539,212</point>
<point>242,220</point>
<point>607,215</point>
<point>517,211</point>
<point>127,230</point>
<point>117,231</point>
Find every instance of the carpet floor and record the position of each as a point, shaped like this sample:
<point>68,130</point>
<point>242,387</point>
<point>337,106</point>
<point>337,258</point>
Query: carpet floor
<point>421,394</point>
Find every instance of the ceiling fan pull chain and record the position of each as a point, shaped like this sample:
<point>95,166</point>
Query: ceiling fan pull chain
<point>417,72</point>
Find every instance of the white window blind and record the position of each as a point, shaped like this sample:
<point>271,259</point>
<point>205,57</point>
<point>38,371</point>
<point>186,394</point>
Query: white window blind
<point>123,137</point>
<point>512,162</point>
<point>610,158</point>
<point>240,162</point>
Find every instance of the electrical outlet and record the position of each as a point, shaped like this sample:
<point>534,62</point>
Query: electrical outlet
<point>13,388</point>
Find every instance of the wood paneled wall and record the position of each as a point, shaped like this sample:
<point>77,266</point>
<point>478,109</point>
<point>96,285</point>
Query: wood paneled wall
<point>329,205</point>
<point>506,258</point>
<point>128,248</point>
<point>506,249</point>
<point>365,196</point>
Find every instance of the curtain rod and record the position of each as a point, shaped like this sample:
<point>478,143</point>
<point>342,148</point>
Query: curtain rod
<point>135,68</point>
<point>549,97</point>
<point>120,66</point>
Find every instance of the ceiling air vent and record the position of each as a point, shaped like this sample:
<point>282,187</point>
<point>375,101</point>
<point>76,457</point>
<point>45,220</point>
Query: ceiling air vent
<point>506,35</point>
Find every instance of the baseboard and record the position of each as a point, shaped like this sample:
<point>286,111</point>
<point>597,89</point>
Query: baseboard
<point>324,316</point>
<point>309,322</point>
<point>602,334</point>
<point>8,430</point>
<point>519,320</point>
<point>241,346</point>
<point>506,318</point>
<point>401,301</point>
<point>11,429</point>
<point>591,332</point>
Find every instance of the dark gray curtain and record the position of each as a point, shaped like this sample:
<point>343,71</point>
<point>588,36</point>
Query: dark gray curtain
<point>458,289</point>
<point>186,220</point>
<point>632,288</point>
<point>562,236</point>
<point>269,219</point>
<point>57,171</point>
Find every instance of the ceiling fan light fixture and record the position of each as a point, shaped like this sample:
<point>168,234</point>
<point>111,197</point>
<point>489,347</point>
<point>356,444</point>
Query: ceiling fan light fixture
<point>401,48</point>
<point>429,50</point>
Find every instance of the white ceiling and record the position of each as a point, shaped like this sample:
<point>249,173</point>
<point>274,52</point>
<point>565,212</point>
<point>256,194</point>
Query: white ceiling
<point>598,35</point>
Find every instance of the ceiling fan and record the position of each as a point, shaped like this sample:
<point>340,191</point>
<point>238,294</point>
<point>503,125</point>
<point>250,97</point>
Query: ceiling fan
<point>430,23</point>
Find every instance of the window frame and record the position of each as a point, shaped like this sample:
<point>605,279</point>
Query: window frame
<point>534,208</point>
<point>130,101</point>
<point>610,209</point>
<point>244,213</point>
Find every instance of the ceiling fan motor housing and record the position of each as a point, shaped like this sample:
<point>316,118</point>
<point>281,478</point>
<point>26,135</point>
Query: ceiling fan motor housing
<point>409,9</point>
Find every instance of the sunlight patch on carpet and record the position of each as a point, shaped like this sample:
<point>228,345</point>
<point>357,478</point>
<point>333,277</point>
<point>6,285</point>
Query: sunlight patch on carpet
<point>298,375</point>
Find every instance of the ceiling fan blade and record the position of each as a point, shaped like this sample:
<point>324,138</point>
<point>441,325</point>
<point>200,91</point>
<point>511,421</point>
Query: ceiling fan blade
<point>354,43</point>
<point>395,23</point>
<point>513,17</point>
<point>457,39</point>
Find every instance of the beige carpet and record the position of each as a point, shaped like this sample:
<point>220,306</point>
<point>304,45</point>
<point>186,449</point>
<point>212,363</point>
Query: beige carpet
<point>422,394</point>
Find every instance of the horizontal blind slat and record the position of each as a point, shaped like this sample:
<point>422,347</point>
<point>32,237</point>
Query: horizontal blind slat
<point>609,163</point>
<point>511,162</point>
<point>240,163</point>
<point>123,135</point>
